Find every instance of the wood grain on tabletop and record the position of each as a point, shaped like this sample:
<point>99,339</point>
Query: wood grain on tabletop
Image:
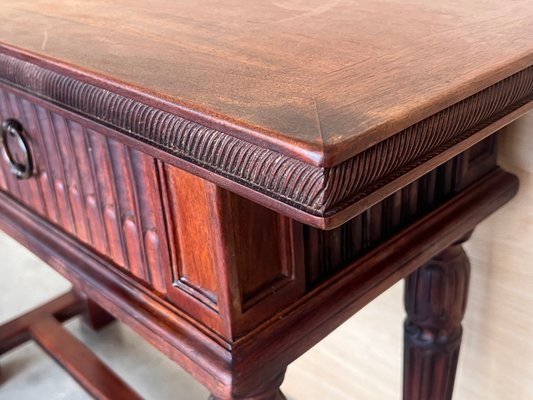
<point>322,80</point>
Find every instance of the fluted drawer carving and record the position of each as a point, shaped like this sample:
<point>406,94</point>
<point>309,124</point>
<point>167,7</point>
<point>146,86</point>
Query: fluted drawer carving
<point>96,189</point>
<point>327,252</point>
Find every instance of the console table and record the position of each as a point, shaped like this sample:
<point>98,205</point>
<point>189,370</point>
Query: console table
<point>233,180</point>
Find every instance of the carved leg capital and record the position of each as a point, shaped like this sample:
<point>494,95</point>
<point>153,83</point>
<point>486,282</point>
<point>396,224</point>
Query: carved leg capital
<point>275,395</point>
<point>267,390</point>
<point>435,301</point>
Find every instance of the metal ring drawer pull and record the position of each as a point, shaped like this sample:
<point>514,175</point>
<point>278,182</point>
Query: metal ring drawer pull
<point>12,128</point>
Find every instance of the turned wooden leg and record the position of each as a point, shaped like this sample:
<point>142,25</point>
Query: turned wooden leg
<point>435,301</point>
<point>268,389</point>
<point>94,316</point>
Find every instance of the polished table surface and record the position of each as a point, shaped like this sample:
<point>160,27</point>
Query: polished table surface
<point>235,179</point>
<point>317,80</point>
<point>308,87</point>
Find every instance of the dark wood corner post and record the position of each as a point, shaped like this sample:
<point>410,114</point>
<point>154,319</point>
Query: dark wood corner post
<point>94,316</point>
<point>435,301</point>
<point>268,389</point>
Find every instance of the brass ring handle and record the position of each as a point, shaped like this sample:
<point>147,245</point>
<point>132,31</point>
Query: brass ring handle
<point>23,169</point>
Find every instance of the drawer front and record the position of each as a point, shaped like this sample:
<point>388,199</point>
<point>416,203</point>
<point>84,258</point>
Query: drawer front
<point>180,236</point>
<point>96,189</point>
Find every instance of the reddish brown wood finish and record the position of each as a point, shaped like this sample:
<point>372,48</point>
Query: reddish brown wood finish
<point>327,252</point>
<point>94,376</point>
<point>15,332</point>
<point>94,316</point>
<point>104,193</point>
<point>230,369</point>
<point>320,81</point>
<point>118,209</point>
<point>235,264</point>
<point>324,197</point>
<point>43,324</point>
<point>435,300</point>
<point>217,268</point>
<point>140,163</point>
<point>268,389</point>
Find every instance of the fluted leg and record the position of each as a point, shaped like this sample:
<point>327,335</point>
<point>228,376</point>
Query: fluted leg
<point>435,301</point>
<point>267,390</point>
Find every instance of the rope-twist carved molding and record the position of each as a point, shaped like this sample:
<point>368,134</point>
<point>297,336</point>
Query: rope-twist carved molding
<point>316,190</point>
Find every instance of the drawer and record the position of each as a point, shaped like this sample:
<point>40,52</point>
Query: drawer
<point>178,235</point>
<point>96,189</point>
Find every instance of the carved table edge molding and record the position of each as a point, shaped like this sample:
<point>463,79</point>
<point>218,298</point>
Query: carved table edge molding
<point>318,196</point>
<point>303,324</point>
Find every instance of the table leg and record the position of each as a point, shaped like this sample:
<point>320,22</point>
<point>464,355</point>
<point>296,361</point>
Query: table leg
<point>267,390</point>
<point>435,301</point>
<point>94,316</point>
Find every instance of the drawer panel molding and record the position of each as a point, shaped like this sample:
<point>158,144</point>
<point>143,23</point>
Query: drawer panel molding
<point>96,189</point>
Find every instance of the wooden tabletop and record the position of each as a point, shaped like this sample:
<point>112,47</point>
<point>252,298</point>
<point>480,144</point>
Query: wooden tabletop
<point>315,109</point>
<point>318,80</point>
